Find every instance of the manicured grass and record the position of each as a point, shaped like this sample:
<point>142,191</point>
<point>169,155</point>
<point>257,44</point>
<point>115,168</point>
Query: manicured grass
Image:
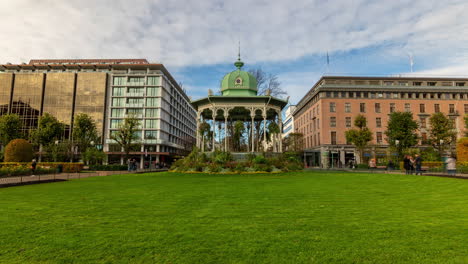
<point>307,217</point>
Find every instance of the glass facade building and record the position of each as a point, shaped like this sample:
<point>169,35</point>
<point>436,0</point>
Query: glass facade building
<point>108,91</point>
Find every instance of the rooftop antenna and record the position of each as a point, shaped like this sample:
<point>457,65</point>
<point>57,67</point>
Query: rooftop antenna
<point>411,61</point>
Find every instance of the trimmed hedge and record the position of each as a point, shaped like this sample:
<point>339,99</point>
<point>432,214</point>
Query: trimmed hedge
<point>18,150</point>
<point>66,166</point>
<point>23,171</point>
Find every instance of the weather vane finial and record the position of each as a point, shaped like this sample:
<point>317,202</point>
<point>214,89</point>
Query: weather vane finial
<point>239,63</point>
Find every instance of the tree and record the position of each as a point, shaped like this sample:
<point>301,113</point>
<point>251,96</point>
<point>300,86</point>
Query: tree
<point>93,156</point>
<point>274,131</point>
<point>238,131</point>
<point>18,150</point>
<point>126,134</point>
<point>267,81</point>
<point>205,133</point>
<point>48,130</point>
<point>294,142</point>
<point>466,125</point>
<point>84,131</point>
<point>441,132</point>
<point>10,127</point>
<point>401,129</point>
<point>359,136</point>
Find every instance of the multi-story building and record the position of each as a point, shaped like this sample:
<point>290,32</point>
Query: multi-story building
<point>108,91</point>
<point>288,124</point>
<point>329,109</point>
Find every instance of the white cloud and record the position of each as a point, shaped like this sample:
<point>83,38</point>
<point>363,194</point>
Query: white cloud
<point>181,33</point>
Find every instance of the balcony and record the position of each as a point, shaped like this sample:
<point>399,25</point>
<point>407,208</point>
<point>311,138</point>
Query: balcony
<point>135,83</point>
<point>135,105</point>
<point>142,94</point>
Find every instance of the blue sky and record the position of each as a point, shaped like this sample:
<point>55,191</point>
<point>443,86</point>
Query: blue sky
<point>197,40</point>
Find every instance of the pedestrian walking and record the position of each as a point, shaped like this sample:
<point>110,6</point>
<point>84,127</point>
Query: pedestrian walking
<point>407,164</point>
<point>451,166</point>
<point>418,164</point>
<point>33,167</point>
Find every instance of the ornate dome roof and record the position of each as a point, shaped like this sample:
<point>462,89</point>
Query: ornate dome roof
<point>239,82</point>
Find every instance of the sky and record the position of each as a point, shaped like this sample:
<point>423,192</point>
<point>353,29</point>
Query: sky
<point>197,41</point>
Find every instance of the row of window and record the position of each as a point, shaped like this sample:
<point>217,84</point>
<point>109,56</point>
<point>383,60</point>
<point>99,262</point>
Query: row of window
<point>394,95</point>
<point>135,102</point>
<point>392,108</point>
<point>132,80</point>
<point>136,91</point>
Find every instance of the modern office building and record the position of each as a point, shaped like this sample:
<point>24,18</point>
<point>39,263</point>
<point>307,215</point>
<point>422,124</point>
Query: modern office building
<point>329,109</point>
<point>288,124</point>
<point>108,90</point>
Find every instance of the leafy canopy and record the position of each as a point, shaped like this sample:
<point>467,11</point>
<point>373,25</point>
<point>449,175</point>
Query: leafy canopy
<point>401,129</point>
<point>10,127</point>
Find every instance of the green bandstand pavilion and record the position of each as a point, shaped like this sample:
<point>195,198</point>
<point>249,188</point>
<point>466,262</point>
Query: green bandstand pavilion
<point>239,102</point>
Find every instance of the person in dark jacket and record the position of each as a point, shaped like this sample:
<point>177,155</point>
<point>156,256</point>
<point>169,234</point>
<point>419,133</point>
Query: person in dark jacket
<point>418,164</point>
<point>407,164</point>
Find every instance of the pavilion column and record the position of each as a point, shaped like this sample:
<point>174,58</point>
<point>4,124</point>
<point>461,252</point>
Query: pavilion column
<point>226,115</point>
<point>214,127</point>
<point>280,121</point>
<point>198,144</point>
<point>264,128</point>
<point>252,136</point>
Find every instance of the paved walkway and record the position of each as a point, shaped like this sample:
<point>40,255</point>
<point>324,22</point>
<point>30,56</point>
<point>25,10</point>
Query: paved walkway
<point>19,180</point>
<point>437,174</point>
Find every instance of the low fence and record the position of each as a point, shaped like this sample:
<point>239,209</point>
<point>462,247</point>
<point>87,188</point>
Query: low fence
<point>6,181</point>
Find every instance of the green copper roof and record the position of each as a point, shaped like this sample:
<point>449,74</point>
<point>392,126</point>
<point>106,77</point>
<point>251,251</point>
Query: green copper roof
<point>239,82</point>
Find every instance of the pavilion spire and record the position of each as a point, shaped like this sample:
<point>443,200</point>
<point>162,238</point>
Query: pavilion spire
<point>238,63</point>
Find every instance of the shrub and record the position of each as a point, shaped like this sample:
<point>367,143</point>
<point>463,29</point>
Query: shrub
<point>18,150</point>
<point>259,160</point>
<point>221,157</point>
<point>362,166</point>
<point>213,167</point>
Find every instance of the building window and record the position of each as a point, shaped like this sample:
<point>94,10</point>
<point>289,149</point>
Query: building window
<point>451,108</point>
<point>115,123</point>
<point>379,137</point>
<point>152,102</point>
<point>151,123</point>
<point>118,102</point>
<point>318,123</point>
<point>332,107</point>
<point>348,121</point>
<point>153,80</point>
<point>119,80</point>
<point>362,107</point>
<point>347,107</point>
<point>332,121</point>
<point>333,137</point>
<point>151,134</point>
<point>118,91</point>
<point>152,91</point>
<point>431,83</point>
<point>392,107</point>
<point>407,107</point>
<point>460,84</point>
<point>423,122</point>
<point>422,108</point>
<point>437,108</point>
<point>466,108</point>
<point>377,107</point>
<point>378,122</point>
<point>417,83</point>
<point>118,112</point>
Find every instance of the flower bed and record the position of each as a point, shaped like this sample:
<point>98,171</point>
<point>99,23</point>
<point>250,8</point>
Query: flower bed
<point>222,162</point>
<point>50,167</point>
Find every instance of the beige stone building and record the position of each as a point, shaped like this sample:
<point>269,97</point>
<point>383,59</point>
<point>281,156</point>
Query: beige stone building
<point>329,109</point>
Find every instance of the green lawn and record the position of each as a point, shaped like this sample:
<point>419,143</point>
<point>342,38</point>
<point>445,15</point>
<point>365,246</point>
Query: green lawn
<point>307,217</point>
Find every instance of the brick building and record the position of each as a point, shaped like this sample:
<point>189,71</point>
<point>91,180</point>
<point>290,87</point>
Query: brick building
<point>329,109</point>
